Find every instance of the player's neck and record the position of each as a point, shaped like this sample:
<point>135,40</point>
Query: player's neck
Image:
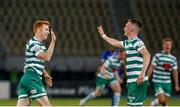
<point>38,37</point>
<point>165,52</point>
<point>132,36</point>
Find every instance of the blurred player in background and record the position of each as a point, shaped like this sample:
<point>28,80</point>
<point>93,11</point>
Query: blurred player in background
<point>105,55</point>
<point>108,75</point>
<point>137,61</point>
<point>163,64</point>
<point>31,85</point>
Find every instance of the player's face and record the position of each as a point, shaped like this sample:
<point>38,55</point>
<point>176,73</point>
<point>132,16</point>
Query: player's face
<point>128,28</point>
<point>167,46</point>
<point>45,32</point>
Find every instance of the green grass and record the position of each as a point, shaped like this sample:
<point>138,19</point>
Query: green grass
<point>94,102</point>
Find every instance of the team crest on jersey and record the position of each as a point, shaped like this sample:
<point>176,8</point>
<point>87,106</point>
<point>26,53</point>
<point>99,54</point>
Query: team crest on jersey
<point>33,91</point>
<point>129,45</point>
<point>166,66</point>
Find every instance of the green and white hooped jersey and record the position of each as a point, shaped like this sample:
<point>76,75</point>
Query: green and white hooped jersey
<point>33,48</point>
<point>134,59</point>
<point>111,64</point>
<point>164,64</point>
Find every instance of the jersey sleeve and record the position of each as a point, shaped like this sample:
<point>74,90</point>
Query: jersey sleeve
<point>174,66</point>
<point>154,60</point>
<point>122,43</point>
<point>138,45</point>
<point>35,48</point>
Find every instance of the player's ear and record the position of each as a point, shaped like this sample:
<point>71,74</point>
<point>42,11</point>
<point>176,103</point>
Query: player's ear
<point>39,29</point>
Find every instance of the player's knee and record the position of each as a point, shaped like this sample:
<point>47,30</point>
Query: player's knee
<point>98,93</point>
<point>117,89</point>
<point>23,102</point>
<point>162,101</point>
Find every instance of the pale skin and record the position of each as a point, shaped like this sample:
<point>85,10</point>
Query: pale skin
<point>162,98</point>
<point>42,34</point>
<point>131,31</point>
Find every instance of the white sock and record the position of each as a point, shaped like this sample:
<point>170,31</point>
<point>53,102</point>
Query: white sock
<point>155,102</point>
<point>116,99</point>
<point>90,96</point>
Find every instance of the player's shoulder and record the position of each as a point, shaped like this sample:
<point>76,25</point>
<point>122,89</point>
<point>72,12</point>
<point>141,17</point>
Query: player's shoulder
<point>158,54</point>
<point>33,41</point>
<point>161,54</point>
<point>172,56</point>
<point>137,40</point>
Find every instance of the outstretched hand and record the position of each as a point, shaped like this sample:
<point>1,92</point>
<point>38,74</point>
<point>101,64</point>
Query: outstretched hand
<point>53,37</point>
<point>100,30</point>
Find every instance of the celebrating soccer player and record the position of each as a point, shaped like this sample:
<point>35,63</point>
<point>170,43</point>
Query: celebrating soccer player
<point>108,75</point>
<point>137,61</point>
<point>163,64</point>
<point>31,86</point>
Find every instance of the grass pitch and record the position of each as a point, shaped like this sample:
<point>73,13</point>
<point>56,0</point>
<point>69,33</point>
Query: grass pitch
<point>94,102</point>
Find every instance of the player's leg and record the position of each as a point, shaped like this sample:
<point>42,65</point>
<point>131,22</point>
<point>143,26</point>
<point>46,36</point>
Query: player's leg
<point>137,93</point>
<point>43,101</point>
<point>166,100</point>
<point>36,89</point>
<point>23,102</point>
<point>115,86</point>
<point>100,85</point>
<point>37,92</point>
<point>157,91</point>
<point>167,90</point>
<point>162,99</point>
<point>90,96</point>
<point>162,91</point>
<point>155,102</point>
<point>23,98</point>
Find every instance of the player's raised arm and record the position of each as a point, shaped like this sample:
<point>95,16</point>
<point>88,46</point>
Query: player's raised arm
<point>111,41</point>
<point>47,54</point>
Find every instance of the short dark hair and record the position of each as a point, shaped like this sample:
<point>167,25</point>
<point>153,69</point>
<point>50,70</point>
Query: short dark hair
<point>136,22</point>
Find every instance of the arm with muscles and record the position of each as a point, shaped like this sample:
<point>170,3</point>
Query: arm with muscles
<point>48,78</point>
<point>146,60</point>
<point>176,80</point>
<point>117,76</point>
<point>47,54</point>
<point>111,41</point>
<point>150,70</point>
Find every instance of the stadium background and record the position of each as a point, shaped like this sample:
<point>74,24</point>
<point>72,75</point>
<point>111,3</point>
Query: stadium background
<point>78,48</point>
